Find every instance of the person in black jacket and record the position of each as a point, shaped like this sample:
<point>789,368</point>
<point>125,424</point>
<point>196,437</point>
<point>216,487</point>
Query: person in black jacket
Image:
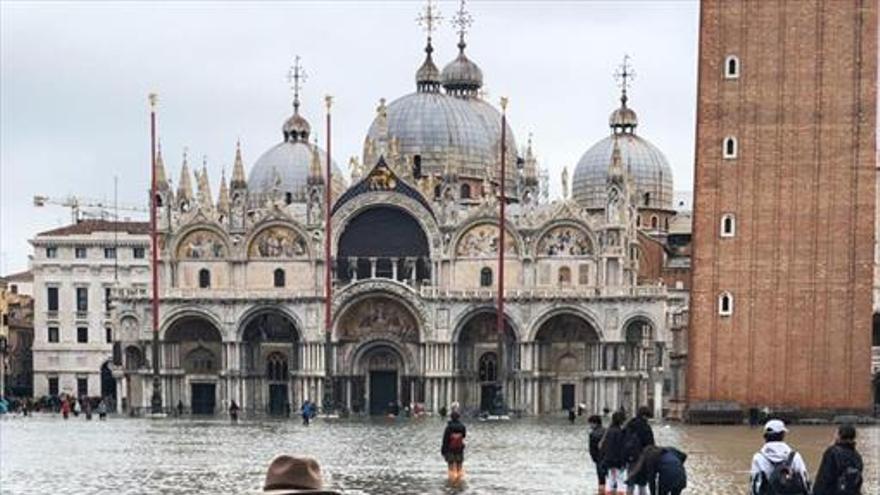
<point>452,447</point>
<point>595,436</point>
<point>841,467</point>
<point>662,468</point>
<point>637,435</point>
<point>611,450</point>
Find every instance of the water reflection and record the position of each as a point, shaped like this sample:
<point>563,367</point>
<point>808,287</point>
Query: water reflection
<point>133,456</point>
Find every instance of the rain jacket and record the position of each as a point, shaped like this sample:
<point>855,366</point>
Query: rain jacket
<point>835,459</point>
<point>762,464</point>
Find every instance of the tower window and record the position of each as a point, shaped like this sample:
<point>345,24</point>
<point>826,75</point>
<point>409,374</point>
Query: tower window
<point>485,277</point>
<point>638,220</point>
<point>288,198</point>
<point>731,67</point>
<point>465,191</point>
<point>654,221</point>
<point>647,199</point>
<point>204,278</point>
<point>730,147</point>
<point>279,277</point>
<point>725,304</point>
<point>728,225</point>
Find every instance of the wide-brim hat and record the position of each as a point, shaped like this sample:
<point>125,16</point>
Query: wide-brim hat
<point>295,475</point>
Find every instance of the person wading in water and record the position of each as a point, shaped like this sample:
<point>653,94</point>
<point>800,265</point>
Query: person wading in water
<point>452,448</point>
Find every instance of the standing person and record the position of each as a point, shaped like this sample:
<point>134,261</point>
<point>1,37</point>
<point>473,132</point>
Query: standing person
<point>452,447</point>
<point>571,415</point>
<point>102,410</point>
<point>306,412</point>
<point>840,472</point>
<point>65,408</point>
<point>233,411</point>
<point>597,431</point>
<point>88,409</point>
<point>611,450</point>
<point>638,435</point>
<point>776,468</point>
<point>663,467</point>
<point>180,408</point>
<point>76,407</point>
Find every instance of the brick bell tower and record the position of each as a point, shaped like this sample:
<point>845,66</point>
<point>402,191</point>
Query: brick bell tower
<point>784,205</point>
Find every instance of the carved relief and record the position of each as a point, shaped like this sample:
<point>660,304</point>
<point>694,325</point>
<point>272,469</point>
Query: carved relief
<point>564,241</point>
<point>378,317</point>
<point>482,240</point>
<point>201,244</point>
<point>381,178</point>
<point>277,242</point>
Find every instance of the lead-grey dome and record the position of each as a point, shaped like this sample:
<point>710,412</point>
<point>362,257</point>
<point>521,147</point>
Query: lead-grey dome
<point>288,164</point>
<point>465,132</point>
<point>644,163</point>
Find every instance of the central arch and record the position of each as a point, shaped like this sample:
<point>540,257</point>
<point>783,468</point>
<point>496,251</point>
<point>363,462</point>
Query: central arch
<point>484,370</point>
<point>192,346</point>
<point>567,351</point>
<point>269,354</point>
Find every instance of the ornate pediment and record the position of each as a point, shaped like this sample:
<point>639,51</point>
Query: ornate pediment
<point>278,241</point>
<point>382,178</point>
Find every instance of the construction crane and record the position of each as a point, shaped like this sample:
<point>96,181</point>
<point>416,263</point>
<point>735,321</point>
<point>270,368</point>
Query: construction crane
<point>84,208</point>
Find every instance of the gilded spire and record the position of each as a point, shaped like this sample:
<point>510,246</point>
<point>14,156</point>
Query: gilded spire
<point>184,186</point>
<point>223,197</point>
<point>238,179</point>
<point>161,178</point>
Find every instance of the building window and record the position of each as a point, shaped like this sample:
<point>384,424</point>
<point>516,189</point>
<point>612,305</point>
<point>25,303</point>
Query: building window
<point>584,274</point>
<point>647,198</point>
<point>108,299</point>
<point>485,277</point>
<point>82,387</point>
<point>654,222</point>
<point>437,191</point>
<point>53,335</point>
<point>731,67</point>
<point>80,252</point>
<point>666,224</point>
<point>204,278</point>
<point>53,385</point>
<point>82,335</point>
<point>730,148</point>
<point>465,191</point>
<point>728,225</point>
<point>13,289</point>
<point>82,299</point>
<point>488,367</point>
<point>108,335</point>
<point>725,304</point>
<point>52,298</point>
<point>138,253</point>
<point>564,276</point>
<point>279,277</point>
<point>110,253</point>
<point>276,367</point>
<point>51,252</point>
<point>638,220</point>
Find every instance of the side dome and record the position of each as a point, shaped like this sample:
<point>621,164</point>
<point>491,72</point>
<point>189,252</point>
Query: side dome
<point>644,163</point>
<point>461,136</point>
<point>285,168</point>
<point>462,75</point>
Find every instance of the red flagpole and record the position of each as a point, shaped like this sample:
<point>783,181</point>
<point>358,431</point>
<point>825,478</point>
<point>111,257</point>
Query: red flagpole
<point>328,288</point>
<point>156,400</point>
<point>499,317</point>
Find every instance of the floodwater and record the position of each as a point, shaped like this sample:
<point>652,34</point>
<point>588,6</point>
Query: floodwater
<point>45,454</point>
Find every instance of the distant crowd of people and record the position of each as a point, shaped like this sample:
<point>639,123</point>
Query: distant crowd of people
<point>64,404</point>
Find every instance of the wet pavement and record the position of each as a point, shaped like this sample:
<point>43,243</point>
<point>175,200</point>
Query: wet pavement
<point>44,454</point>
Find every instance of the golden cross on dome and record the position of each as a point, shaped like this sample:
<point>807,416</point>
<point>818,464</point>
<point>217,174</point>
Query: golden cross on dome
<point>625,74</point>
<point>463,20</point>
<point>296,76</point>
<point>430,18</point>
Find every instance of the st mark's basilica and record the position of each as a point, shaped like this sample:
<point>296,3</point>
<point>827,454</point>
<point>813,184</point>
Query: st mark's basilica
<point>414,245</point>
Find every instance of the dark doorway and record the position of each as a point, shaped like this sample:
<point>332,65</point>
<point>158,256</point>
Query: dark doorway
<point>203,398</point>
<point>487,396</point>
<point>277,399</point>
<point>567,396</point>
<point>383,391</point>
<point>108,385</point>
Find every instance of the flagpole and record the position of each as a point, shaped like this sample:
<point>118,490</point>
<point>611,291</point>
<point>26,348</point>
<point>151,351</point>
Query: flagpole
<point>499,316</point>
<point>156,400</point>
<point>328,263</point>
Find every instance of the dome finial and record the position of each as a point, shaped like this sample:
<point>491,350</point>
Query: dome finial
<point>624,75</point>
<point>462,20</point>
<point>296,76</point>
<point>462,77</point>
<point>428,76</point>
<point>624,118</point>
<point>296,128</point>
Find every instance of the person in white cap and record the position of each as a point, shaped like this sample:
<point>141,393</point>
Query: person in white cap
<point>777,468</point>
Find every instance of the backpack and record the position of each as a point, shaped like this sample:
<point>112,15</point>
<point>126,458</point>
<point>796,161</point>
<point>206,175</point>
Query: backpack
<point>784,480</point>
<point>456,442</point>
<point>849,481</point>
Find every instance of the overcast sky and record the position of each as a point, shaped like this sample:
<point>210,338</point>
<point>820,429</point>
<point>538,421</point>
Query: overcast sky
<point>74,79</point>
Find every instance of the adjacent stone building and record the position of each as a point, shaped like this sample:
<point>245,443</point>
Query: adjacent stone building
<point>75,268</point>
<point>784,205</point>
<point>414,259</point>
<point>18,331</point>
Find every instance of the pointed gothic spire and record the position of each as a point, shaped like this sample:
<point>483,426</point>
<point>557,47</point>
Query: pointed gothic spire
<point>205,199</point>
<point>238,179</point>
<point>161,178</point>
<point>223,197</point>
<point>615,168</point>
<point>316,173</point>
<point>184,185</point>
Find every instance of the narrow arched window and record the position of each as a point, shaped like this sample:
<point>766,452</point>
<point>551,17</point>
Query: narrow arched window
<point>647,198</point>
<point>731,67</point>
<point>288,198</point>
<point>728,225</point>
<point>730,147</point>
<point>486,277</point>
<point>488,367</point>
<point>465,191</point>
<point>666,224</point>
<point>638,220</point>
<point>437,191</point>
<point>204,278</point>
<point>564,276</point>
<point>725,304</point>
<point>279,277</point>
<point>654,221</point>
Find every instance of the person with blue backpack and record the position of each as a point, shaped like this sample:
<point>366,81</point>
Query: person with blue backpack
<point>840,472</point>
<point>777,469</point>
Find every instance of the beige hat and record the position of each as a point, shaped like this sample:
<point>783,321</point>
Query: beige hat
<point>294,475</point>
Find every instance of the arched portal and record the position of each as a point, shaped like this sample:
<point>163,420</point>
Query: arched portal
<point>192,352</point>
<point>108,386</point>
<point>483,374</point>
<point>269,351</point>
<point>384,242</point>
<point>567,351</point>
<point>383,368</point>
